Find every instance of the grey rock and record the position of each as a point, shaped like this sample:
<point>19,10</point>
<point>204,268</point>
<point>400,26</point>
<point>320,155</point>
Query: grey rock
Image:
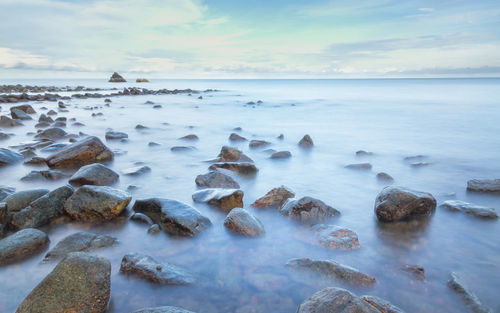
<point>306,142</point>
<point>360,166</point>
<point>335,300</point>
<point>384,177</point>
<point>382,306</point>
<point>484,185</point>
<point>307,209</point>
<point>117,78</point>
<point>236,137</point>
<point>86,151</point>
<point>22,245</point>
<point>94,174</point>
<point>225,199</point>
<point>53,133</point>
<point>44,175</point>
<point>136,170</point>
<point>229,154</point>
<point>19,115</point>
<point>258,143</point>
<point>141,218</point>
<point>216,179</point>
<point>469,208</point>
<point>6,121</point>
<point>26,108</point>
<point>191,137</point>
<point>154,229</point>
<point>398,203</point>
<point>333,237</point>
<point>469,298</point>
<point>8,157</point>
<point>182,149</point>
<point>6,191</point>
<point>363,153</point>
<point>242,222</point>
<point>79,242</point>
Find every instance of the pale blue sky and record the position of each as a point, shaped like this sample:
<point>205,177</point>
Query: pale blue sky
<point>228,38</point>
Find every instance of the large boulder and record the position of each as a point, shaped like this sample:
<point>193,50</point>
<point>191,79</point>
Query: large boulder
<point>484,185</point>
<point>396,203</point>
<point>8,157</point>
<point>117,78</point>
<point>242,222</point>
<point>86,151</point>
<point>80,283</point>
<point>145,267</point>
<point>96,203</point>
<point>469,208</point>
<point>225,199</point>
<point>274,198</point>
<point>21,199</point>
<point>307,209</point>
<point>216,179</point>
<point>175,218</point>
<point>163,309</point>
<point>79,242</point>
<point>22,244</point>
<point>94,174</point>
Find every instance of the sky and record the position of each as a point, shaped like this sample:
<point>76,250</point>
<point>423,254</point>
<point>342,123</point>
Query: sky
<point>249,39</point>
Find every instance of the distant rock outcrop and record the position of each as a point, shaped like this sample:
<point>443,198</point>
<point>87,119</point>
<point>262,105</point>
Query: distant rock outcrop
<point>117,78</point>
<point>142,80</point>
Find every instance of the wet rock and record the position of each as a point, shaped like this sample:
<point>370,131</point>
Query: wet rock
<point>384,177</point>
<point>332,237</point>
<point>6,121</point>
<point>182,149</point>
<point>215,179</point>
<point>469,208</point>
<point>53,133</point>
<point>78,124</point>
<point>53,148</point>
<point>332,269</point>
<point>8,157</point>
<point>80,283</point>
<point>43,210</point>
<point>79,242</point>
<point>42,125</point>
<point>136,170</point>
<point>236,137</point>
<point>86,151</point>
<point>192,137</point>
<point>139,126</point>
<point>176,218</point>
<point>306,142</point>
<point>469,298</point>
<point>243,168</point>
<point>141,218</point>
<point>242,222</point>
<point>228,154</point>
<point>94,174</point>
<point>149,269</point>
<point>45,118</point>
<point>52,112</point>
<point>484,185</point>
<point>4,136</point>
<point>26,108</point>
<point>415,158</point>
<point>225,199</point>
<point>416,271</point>
<point>19,115</point>
<point>96,203</point>
<point>359,166</point>
<point>419,164</point>
<point>307,209</point>
<point>153,144</point>
<point>398,203</point>
<point>363,153</point>
<point>154,229</point>
<point>117,78</point>
<point>258,143</point>
<point>21,199</point>
<point>274,198</point>
<point>36,161</point>
<point>6,191</point>
<point>21,245</point>
<point>163,309</point>
<point>157,106</point>
<point>44,175</point>
<point>281,137</point>
<point>382,306</point>
<point>281,155</point>
<point>112,135</point>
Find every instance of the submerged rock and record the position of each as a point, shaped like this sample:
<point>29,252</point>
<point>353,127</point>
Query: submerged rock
<point>94,174</point>
<point>136,170</point>
<point>80,283</point>
<point>469,208</point>
<point>469,298</point>
<point>307,209</point>
<point>163,309</point>
<point>8,157</point>
<point>398,203</point>
<point>6,191</point>
<point>281,155</point>
<point>382,306</point>
<point>53,133</point>
<point>274,198</point>
<point>243,168</point>
<point>182,149</point>
<point>484,185</point>
<point>80,241</point>
<point>44,175</point>
<point>236,137</point>
<point>86,151</point>
<point>331,237</point>
<point>96,203</point>
<point>117,78</point>
<point>241,221</point>
<point>258,143</point>
<point>147,268</point>
<point>225,199</point>
<point>111,135</point>
<point>363,153</point>
<point>216,179</point>
<point>176,218</point>
<point>306,142</point>
<point>6,121</point>
<point>192,137</point>
<point>416,270</point>
<point>19,115</point>
<point>384,177</point>
<point>22,245</point>
<point>359,166</point>
<point>142,80</point>
<point>21,199</point>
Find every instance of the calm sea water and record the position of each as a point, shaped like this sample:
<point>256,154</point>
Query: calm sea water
<point>455,123</point>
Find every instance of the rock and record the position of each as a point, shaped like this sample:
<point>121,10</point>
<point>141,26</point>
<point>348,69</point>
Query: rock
<point>45,118</point>
<point>163,309</point>
<point>43,210</point>
<point>363,153</point>
<point>415,158</point>
<point>470,299</point>
<point>79,242</point>
<point>53,148</point>
<point>484,185</point>
<point>416,270</point>
<point>469,208</point>
<point>307,209</point>
<point>306,142</point>
<point>53,133</point>
<point>6,191</point>
<point>228,154</point>
<point>157,106</point>
<point>384,177</point>
<point>4,136</point>
<point>176,218</point>
<point>36,161</point>
<point>274,198</point>
<point>21,199</point>
<point>381,305</point>
<point>44,175</point>
<point>398,203</point>
<point>21,245</point>
<point>149,269</point>
<point>332,237</point>
<point>141,80</point>
<point>258,143</point>
<point>94,174</point>
<point>52,112</point>
<point>96,203</point>
<point>281,137</point>
<point>80,283</point>
<point>136,170</point>
<point>419,164</point>
<point>241,221</point>
<point>19,115</point>
<point>117,78</point>
<point>216,179</point>
<point>86,151</point>
<point>236,137</point>
<point>6,121</point>
<point>189,137</point>
<point>332,269</point>
<point>225,199</point>
<point>281,155</point>
<point>182,149</point>
<point>243,168</point>
<point>139,126</point>
<point>360,166</point>
<point>153,144</point>
<point>154,229</point>
<point>141,218</point>
<point>8,157</point>
<point>111,135</point>
<point>26,108</point>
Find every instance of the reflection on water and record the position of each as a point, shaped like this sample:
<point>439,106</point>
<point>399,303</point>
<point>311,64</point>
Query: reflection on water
<point>452,122</point>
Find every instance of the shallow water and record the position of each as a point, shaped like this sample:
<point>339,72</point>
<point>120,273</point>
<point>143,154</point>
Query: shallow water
<point>453,122</point>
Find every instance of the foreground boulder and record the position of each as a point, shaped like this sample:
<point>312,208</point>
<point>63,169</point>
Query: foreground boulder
<point>22,244</point>
<point>163,309</point>
<point>242,222</point>
<point>243,168</point>
<point>96,203</point>
<point>469,208</point>
<point>273,198</point>
<point>80,283</point>
<point>398,203</point>
<point>470,299</point>
<point>147,268</point>
<point>94,174</point>
<point>175,218</point>
<point>8,157</point>
<point>117,78</point>
<point>216,179</point>
<point>86,151</point>
<point>224,199</point>
<point>79,242</point>
<point>484,185</point>
<point>307,209</point>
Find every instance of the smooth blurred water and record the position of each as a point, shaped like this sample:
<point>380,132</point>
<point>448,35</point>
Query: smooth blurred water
<point>455,123</point>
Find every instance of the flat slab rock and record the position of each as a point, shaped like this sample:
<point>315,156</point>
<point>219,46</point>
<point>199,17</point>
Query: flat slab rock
<point>274,197</point>
<point>80,283</point>
<point>225,199</point>
<point>307,209</point>
<point>484,185</point>
<point>22,244</point>
<point>147,268</point>
<point>94,174</point>
<point>331,237</point>
<point>216,179</point>
<point>395,203</point>
<point>469,208</point>
<point>163,309</point>
<point>243,168</point>
<point>332,269</point>
<point>79,242</point>
<point>242,222</point>
<point>469,298</point>
<point>175,218</point>
<point>86,151</point>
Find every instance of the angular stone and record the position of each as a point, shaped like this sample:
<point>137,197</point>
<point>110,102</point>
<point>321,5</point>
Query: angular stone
<point>243,168</point>
<point>306,142</point>
<point>236,137</point>
<point>484,185</point>
<point>382,176</point>
<point>225,199</point>
<point>274,198</point>
<point>53,133</point>
<point>241,221</point>
<point>79,242</point>
<point>6,191</point>
<point>111,135</point>
<point>6,121</point>
<point>335,300</point>
<point>21,245</point>
<point>26,108</point>
<point>398,203</point>
<point>86,151</point>
<point>189,137</point>
<point>94,174</point>
<point>469,208</point>
<point>307,209</point>
<point>216,179</point>
<point>117,78</point>
<point>281,155</point>
<point>382,306</point>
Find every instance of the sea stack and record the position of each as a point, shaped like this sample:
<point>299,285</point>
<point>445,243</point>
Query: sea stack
<point>117,78</point>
